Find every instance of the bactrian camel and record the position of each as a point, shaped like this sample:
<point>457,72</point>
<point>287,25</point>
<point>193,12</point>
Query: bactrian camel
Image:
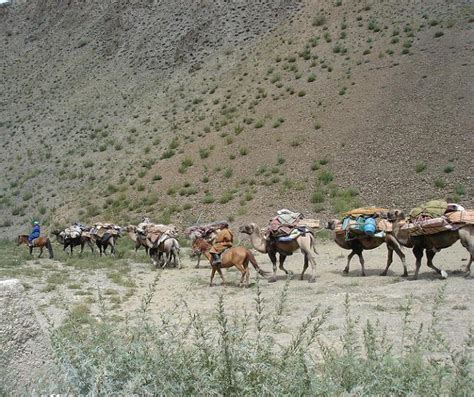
<point>367,243</point>
<point>433,243</point>
<point>304,242</point>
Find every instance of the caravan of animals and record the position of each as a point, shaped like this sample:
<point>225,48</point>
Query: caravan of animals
<point>433,226</point>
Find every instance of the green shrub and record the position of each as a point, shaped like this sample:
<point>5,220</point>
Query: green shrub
<point>420,167</point>
<point>326,177</point>
<point>448,169</point>
<point>317,197</point>
<point>319,20</point>
<point>208,198</point>
<point>181,352</point>
<point>440,183</point>
<point>460,190</point>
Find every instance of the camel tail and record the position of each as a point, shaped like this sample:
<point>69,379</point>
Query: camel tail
<point>313,244</point>
<point>50,248</point>
<point>254,263</point>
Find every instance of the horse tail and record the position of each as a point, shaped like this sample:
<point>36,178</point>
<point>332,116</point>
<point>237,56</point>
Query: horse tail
<point>50,248</point>
<point>254,263</point>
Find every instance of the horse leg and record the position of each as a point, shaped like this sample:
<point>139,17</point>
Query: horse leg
<point>222,276</point>
<point>305,266</point>
<point>213,272</point>
<point>31,250</point>
<point>242,274</point>
<point>349,257</point>
<point>273,258</point>
<point>282,261</point>
<point>430,255</point>
<point>41,252</point>
<point>199,260</point>
<point>418,252</point>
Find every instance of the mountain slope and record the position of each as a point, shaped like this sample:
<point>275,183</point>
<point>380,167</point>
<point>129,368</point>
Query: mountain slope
<point>231,109</point>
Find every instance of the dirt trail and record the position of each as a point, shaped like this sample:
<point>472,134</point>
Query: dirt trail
<point>372,297</point>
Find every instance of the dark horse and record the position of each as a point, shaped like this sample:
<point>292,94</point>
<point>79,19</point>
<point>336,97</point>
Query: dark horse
<point>105,241</point>
<point>40,242</point>
<point>73,242</point>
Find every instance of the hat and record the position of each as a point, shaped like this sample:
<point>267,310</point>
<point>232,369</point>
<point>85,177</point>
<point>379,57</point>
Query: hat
<point>36,223</point>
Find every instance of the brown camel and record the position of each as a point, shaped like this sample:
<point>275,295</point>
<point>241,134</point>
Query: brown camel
<point>235,256</point>
<point>358,245</point>
<point>137,238</point>
<point>433,243</point>
<point>304,242</point>
<point>105,241</point>
<point>39,242</point>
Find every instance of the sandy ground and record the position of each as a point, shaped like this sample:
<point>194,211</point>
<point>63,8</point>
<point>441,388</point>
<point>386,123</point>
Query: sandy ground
<point>372,297</point>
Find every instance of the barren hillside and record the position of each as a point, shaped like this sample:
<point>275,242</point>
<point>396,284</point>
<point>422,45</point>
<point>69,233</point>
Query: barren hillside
<point>231,109</point>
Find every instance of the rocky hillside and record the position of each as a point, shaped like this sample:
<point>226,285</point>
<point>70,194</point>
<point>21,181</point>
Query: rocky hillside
<point>185,110</point>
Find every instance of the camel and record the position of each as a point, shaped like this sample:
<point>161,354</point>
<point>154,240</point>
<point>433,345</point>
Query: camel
<point>137,238</point>
<point>170,249</point>
<point>358,245</point>
<point>73,242</point>
<point>235,256</point>
<point>304,242</point>
<point>39,242</point>
<point>433,243</point>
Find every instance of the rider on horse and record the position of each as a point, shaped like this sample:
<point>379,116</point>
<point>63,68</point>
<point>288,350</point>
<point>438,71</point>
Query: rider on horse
<point>222,241</point>
<point>35,233</point>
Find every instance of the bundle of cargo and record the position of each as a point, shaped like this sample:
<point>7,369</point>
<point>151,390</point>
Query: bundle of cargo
<point>157,234</point>
<point>363,223</point>
<point>288,225</point>
<point>100,229</point>
<point>437,216</point>
<point>206,231</point>
<point>74,231</point>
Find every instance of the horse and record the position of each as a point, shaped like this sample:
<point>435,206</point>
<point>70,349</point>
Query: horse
<point>39,242</point>
<point>107,240</point>
<point>235,256</point>
<point>170,249</point>
<point>73,242</point>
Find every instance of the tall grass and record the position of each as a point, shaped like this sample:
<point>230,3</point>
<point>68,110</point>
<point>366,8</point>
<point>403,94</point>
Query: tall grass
<point>184,353</point>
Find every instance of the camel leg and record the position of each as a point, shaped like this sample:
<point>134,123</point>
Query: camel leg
<point>468,269</point>
<point>282,267</point>
<point>177,259</point>
<point>362,263</point>
<point>273,258</point>
<point>418,252</point>
<point>312,260</point>
<point>430,255</point>
<point>401,255</point>
<point>349,258</point>
<point>305,266</point>
<point>213,272</point>
<point>247,277</point>
<point>389,260</point>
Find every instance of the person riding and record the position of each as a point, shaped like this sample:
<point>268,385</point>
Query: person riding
<point>35,233</point>
<point>223,240</point>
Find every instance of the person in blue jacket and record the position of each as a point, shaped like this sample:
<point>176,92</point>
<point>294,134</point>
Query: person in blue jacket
<point>35,233</point>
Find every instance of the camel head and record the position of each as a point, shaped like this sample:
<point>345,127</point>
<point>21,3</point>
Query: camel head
<point>131,229</point>
<point>249,229</point>
<point>395,215</point>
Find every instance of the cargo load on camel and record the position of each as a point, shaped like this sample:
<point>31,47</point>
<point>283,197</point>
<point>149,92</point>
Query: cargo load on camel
<point>363,223</point>
<point>75,231</point>
<point>105,230</point>
<point>289,225</point>
<point>205,231</point>
<point>437,216</point>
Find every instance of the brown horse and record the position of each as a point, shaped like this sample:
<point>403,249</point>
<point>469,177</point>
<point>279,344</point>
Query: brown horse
<point>235,256</point>
<point>40,243</point>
